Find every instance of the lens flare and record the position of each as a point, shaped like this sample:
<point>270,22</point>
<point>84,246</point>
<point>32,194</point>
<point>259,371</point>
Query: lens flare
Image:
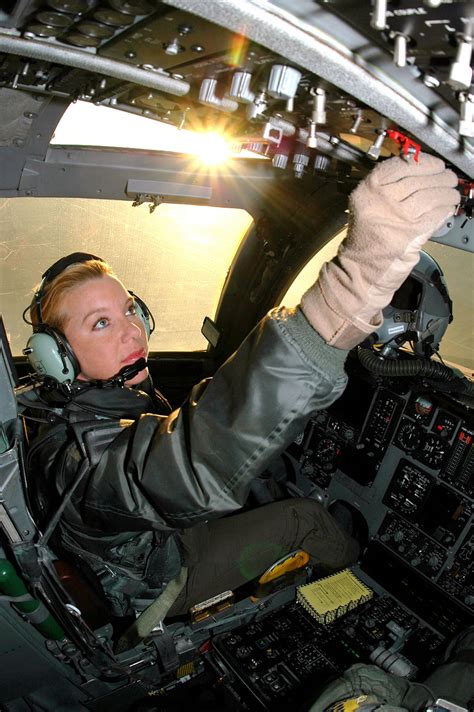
<point>210,148</point>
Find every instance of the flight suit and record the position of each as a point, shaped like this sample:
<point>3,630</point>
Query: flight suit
<point>153,492</point>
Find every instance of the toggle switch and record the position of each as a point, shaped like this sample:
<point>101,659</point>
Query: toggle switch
<point>460,72</point>
<point>379,15</point>
<point>400,50</point>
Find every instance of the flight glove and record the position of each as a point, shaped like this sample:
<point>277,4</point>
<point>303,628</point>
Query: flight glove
<point>393,212</point>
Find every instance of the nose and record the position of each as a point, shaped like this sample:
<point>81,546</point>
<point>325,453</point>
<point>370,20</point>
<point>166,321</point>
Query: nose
<point>130,330</point>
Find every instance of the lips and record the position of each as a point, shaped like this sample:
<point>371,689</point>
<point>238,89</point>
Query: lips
<point>131,358</point>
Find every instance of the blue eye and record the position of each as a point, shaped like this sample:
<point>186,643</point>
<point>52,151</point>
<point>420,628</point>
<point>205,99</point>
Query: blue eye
<point>101,324</point>
<point>132,310</point>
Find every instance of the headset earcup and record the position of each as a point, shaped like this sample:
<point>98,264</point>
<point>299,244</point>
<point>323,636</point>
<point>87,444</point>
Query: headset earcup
<point>50,355</point>
<point>145,315</point>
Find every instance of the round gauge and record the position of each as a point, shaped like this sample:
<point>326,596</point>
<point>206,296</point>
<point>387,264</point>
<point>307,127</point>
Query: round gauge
<point>432,451</point>
<point>423,406</point>
<point>445,424</point>
<point>326,450</point>
<point>409,436</point>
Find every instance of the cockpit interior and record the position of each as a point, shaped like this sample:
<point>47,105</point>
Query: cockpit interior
<point>208,150</point>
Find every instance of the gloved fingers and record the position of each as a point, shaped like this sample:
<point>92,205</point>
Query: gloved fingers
<point>411,185</point>
<point>393,169</point>
<point>426,204</point>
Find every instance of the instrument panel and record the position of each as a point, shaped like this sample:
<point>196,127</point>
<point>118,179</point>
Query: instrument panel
<point>287,657</point>
<point>399,456</point>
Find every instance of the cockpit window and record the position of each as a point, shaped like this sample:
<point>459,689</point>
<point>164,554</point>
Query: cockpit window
<point>309,273</point>
<point>458,268</point>
<point>84,124</point>
<point>175,259</point>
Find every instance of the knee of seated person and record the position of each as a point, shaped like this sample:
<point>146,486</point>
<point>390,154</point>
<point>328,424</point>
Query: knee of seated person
<point>321,536</point>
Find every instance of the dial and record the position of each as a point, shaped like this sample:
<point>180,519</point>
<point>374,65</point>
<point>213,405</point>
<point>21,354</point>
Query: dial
<point>420,408</point>
<point>326,450</point>
<point>445,424</point>
<point>409,436</point>
<point>423,408</point>
<point>433,451</point>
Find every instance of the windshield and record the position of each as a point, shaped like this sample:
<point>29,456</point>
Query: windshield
<point>175,259</point>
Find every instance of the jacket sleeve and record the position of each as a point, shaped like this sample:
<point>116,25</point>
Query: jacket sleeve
<point>198,462</point>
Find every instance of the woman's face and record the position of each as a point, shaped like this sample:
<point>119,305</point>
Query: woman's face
<point>103,329</point>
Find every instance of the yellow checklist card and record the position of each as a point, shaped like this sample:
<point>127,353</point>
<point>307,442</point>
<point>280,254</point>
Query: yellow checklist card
<point>331,597</point>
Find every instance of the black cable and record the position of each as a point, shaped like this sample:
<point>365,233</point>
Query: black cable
<point>398,368</point>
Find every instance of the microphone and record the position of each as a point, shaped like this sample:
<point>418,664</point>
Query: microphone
<point>125,374</point>
<point>72,390</point>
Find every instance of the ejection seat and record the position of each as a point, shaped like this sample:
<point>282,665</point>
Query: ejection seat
<point>36,546</point>
<point>84,593</point>
<point>23,522</point>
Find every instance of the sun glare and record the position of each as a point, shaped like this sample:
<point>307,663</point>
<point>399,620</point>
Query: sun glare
<point>85,124</point>
<point>210,148</point>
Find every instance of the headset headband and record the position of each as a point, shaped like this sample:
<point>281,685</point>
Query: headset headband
<point>56,269</point>
<point>61,264</point>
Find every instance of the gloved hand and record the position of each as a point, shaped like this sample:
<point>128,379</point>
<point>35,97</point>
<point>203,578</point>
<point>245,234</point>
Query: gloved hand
<point>394,211</point>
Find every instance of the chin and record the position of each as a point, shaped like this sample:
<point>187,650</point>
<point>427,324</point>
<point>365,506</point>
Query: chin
<point>138,378</point>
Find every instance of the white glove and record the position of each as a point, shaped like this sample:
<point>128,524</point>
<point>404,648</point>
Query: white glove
<point>394,211</point>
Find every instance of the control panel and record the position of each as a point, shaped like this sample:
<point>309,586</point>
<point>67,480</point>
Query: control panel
<point>399,456</point>
<point>190,65</point>
<point>287,656</point>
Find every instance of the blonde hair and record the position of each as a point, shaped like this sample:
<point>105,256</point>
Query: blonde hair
<point>53,292</point>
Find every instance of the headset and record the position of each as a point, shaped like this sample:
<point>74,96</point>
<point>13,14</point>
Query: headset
<point>420,311</point>
<point>48,350</point>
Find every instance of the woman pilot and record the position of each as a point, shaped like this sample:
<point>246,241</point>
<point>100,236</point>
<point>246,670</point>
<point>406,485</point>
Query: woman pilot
<point>152,488</point>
